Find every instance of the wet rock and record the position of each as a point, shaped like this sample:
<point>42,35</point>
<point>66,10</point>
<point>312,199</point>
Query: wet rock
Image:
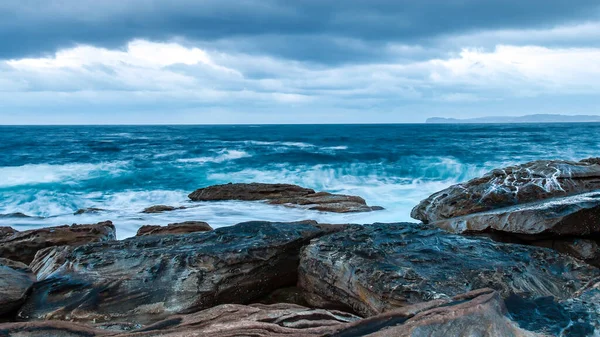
<point>174,228</point>
<point>143,279</point>
<point>22,246</point>
<point>586,250</point>
<point>576,215</point>
<point>530,182</point>
<point>479,313</point>
<point>375,268</point>
<point>89,210</point>
<point>15,215</point>
<point>6,232</point>
<point>161,209</point>
<point>223,320</point>
<point>284,194</point>
<point>15,280</point>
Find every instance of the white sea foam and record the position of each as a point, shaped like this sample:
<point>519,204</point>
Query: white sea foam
<point>219,157</point>
<point>45,173</point>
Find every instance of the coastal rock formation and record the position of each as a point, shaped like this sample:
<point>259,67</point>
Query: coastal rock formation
<point>478,313</point>
<point>576,215</point>
<point>15,280</point>
<point>6,232</point>
<point>160,209</point>
<point>284,194</point>
<point>22,246</point>
<point>143,279</point>
<point>530,182</point>
<point>174,228</point>
<point>374,268</point>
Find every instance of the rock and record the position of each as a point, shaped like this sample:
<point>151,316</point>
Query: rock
<point>161,208</point>
<point>530,182</point>
<point>479,313</point>
<point>15,215</point>
<point>174,228</point>
<point>222,320</point>
<point>143,279</point>
<point>249,192</point>
<point>6,232</point>
<point>569,216</point>
<point>22,246</point>
<point>586,250</point>
<point>15,280</point>
<point>284,194</point>
<point>88,210</point>
<point>375,268</point>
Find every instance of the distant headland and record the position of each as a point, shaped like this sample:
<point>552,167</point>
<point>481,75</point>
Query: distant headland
<point>539,118</point>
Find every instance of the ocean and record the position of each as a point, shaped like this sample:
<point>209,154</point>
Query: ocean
<point>49,172</point>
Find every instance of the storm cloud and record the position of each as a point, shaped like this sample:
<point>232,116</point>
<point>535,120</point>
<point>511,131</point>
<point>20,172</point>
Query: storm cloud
<point>293,61</point>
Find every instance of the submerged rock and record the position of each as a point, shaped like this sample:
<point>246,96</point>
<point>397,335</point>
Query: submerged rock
<point>284,194</point>
<point>174,228</point>
<point>161,208</point>
<point>15,280</point>
<point>530,182</point>
<point>88,210</point>
<point>143,279</point>
<point>375,268</point>
<point>22,246</point>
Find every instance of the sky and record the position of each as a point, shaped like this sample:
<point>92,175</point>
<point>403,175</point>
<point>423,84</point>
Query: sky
<point>301,61</point>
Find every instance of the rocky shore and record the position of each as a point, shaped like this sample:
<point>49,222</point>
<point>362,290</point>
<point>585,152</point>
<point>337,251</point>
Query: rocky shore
<point>513,253</point>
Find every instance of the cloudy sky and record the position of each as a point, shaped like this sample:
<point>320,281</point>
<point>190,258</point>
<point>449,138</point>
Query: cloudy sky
<point>301,61</point>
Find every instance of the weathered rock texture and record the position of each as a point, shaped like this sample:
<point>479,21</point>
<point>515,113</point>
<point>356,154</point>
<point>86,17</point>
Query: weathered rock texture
<point>143,279</point>
<point>478,313</point>
<point>375,268</point>
<point>15,280</point>
<point>284,194</point>
<point>533,181</point>
<point>22,246</point>
<point>174,228</point>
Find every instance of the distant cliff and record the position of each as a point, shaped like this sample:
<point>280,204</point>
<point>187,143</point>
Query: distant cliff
<point>540,118</point>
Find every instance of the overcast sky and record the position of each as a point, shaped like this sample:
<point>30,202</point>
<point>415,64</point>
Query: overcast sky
<point>300,61</point>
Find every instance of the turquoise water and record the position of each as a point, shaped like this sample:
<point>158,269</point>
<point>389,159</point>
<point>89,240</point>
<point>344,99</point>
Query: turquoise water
<point>50,172</point>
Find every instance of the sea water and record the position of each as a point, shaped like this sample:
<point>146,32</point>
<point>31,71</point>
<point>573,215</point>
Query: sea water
<point>49,172</point>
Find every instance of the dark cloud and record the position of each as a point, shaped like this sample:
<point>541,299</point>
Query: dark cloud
<point>321,31</point>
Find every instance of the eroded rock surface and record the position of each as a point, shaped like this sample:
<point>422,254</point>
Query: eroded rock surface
<point>533,181</point>
<point>478,313</point>
<point>146,278</point>
<point>22,246</point>
<point>284,194</point>
<point>15,280</point>
<point>375,268</point>
<point>174,228</point>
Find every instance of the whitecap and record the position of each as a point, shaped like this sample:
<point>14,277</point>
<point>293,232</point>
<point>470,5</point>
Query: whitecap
<point>32,174</point>
<point>221,156</point>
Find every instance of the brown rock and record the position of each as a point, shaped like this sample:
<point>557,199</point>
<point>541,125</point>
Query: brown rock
<point>530,182</point>
<point>284,194</point>
<point>174,228</point>
<point>6,232</point>
<point>478,313</point>
<point>15,280</point>
<point>22,246</point>
<point>144,279</point>
<point>161,208</point>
